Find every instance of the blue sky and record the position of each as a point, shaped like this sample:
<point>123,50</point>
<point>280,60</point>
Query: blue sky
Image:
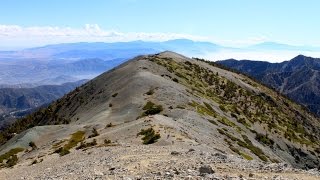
<point>227,22</point>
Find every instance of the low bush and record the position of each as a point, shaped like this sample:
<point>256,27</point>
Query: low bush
<point>12,161</point>
<point>11,152</point>
<point>86,145</point>
<point>94,133</point>
<point>32,145</point>
<point>151,109</point>
<point>150,136</point>
<point>109,125</point>
<point>62,151</point>
<point>264,139</point>
<point>107,141</point>
<point>73,141</point>
<point>213,122</point>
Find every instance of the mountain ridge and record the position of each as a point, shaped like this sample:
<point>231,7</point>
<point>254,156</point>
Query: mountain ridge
<point>297,78</point>
<point>183,107</point>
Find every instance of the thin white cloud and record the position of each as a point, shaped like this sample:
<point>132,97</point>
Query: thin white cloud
<point>39,35</point>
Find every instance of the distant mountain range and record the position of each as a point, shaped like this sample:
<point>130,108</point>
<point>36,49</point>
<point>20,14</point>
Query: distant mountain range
<point>61,63</point>
<point>56,64</point>
<point>298,78</point>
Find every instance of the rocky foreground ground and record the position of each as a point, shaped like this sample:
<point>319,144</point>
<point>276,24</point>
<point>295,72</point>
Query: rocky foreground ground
<point>151,162</point>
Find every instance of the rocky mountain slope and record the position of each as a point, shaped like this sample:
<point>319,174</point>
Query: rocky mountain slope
<point>298,78</point>
<point>164,116</point>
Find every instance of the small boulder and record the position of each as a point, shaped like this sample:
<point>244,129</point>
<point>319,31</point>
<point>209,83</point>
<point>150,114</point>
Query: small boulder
<point>175,153</point>
<point>191,150</point>
<point>205,170</point>
<point>220,156</point>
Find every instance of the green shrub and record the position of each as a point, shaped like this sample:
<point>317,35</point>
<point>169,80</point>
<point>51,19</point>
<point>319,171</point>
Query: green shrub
<point>227,122</point>
<point>149,105</point>
<point>12,161</point>
<point>209,107</point>
<point>222,108</point>
<point>150,136</point>
<point>73,141</point>
<point>234,149</point>
<point>115,95</point>
<point>10,153</point>
<point>264,139</point>
<point>246,156</point>
<point>151,109</point>
<point>255,150</point>
<point>204,110</point>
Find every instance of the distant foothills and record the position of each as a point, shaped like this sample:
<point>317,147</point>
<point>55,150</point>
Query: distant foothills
<point>62,64</point>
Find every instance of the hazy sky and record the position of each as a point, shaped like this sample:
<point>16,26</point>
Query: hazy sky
<point>226,22</point>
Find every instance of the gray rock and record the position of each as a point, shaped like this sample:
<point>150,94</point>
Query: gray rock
<point>220,156</point>
<point>175,153</point>
<point>206,170</point>
<point>191,150</point>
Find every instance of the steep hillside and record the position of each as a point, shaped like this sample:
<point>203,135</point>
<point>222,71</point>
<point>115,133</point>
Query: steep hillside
<point>298,78</point>
<point>171,117</point>
<point>16,102</point>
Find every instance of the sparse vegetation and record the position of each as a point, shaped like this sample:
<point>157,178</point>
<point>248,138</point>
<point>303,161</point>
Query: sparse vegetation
<point>94,133</point>
<point>175,80</point>
<point>84,145</point>
<point>227,122</point>
<point>262,111</point>
<point>32,145</point>
<point>73,141</point>
<point>264,139</point>
<point>109,125</point>
<point>10,157</point>
<point>248,107</point>
<point>62,151</point>
<point>107,141</point>
<point>151,109</point>
<point>213,122</point>
<point>246,144</point>
<point>246,156</point>
<point>150,136</point>
<point>12,161</point>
